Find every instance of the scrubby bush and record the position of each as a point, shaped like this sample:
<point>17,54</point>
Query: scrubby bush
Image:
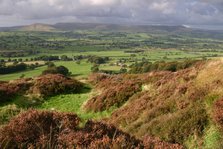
<point>156,143</point>
<point>115,90</point>
<point>56,70</point>
<point>6,92</point>
<point>113,96</point>
<point>42,129</point>
<point>36,128</point>
<point>42,86</point>
<point>218,113</point>
<point>95,78</point>
<point>9,90</point>
<point>52,84</point>
<point>98,135</point>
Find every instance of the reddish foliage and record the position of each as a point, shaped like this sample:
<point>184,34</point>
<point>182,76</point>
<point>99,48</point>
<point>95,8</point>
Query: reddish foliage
<point>171,108</point>
<point>113,96</point>
<point>99,135</point>
<point>95,78</point>
<point>42,129</point>
<point>116,90</point>
<point>51,84</point>
<point>36,127</point>
<point>45,85</point>
<point>10,89</point>
<point>156,143</point>
<point>218,113</point>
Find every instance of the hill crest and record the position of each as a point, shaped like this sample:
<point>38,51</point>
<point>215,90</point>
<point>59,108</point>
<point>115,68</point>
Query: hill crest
<point>38,27</point>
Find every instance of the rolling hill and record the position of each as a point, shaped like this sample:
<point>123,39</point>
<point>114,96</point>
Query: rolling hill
<point>38,27</point>
<point>181,30</point>
<point>95,27</point>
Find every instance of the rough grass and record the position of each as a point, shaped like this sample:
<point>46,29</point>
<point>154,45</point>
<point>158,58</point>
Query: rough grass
<point>73,103</point>
<point>213,138</point>
<point>7,112</point>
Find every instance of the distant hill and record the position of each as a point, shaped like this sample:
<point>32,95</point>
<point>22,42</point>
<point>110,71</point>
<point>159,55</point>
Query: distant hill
<point>116,27</point>
<point>152,29</point>
<point>94,26</point>
<point>38,27</point>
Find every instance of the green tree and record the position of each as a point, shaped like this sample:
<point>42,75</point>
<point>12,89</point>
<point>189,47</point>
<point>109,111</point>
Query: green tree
<point>95,68</point>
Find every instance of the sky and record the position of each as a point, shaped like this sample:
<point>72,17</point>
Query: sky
<point>164,12</point>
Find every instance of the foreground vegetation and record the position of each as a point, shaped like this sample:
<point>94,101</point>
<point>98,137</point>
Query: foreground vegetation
<point>180,107</point>
<point>44,129</point>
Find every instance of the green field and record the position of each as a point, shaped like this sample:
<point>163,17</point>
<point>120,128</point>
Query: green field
<point>157,45</point>
<point>29,73</point>
<point>82,70</point>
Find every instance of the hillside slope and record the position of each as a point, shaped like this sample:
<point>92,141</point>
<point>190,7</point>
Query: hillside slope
<point>179,107</point>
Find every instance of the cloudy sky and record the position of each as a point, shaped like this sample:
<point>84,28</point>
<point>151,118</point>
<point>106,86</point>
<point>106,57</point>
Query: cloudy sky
<point>172,12</point>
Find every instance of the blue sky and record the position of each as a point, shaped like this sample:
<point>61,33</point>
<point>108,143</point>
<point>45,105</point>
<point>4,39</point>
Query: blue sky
<point>165,12</point>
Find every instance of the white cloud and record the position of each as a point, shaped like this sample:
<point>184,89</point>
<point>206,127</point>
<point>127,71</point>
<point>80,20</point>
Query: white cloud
<point>100,2</point>
<point>159,6</point>
<point>134,11</point>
